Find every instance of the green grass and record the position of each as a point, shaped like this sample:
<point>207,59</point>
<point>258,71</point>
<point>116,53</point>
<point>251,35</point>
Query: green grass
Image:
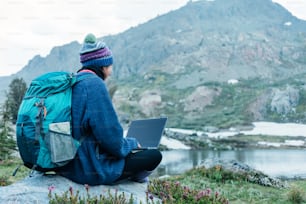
<point>7,169</point>
<point>232,107</point>
<point>238,190</point>
<point>227,110</point>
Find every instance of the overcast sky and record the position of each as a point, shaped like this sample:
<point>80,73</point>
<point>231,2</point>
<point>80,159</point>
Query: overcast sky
<point>31,27</point>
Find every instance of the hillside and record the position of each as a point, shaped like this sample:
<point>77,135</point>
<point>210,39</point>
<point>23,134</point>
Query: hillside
<point>178,64</point>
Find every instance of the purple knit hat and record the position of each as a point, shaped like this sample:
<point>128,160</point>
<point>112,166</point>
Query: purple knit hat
<point>95,53</point>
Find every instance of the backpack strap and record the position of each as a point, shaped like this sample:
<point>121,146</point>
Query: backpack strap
<point>78,79</point>
<point>41,114</point>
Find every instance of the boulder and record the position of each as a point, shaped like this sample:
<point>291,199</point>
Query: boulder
<point>150,101</point>
<point>35,189</point>
<point>254,176</point>
<point>285,101</point>
<point>200,98</point>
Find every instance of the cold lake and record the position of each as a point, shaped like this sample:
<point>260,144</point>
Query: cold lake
<point>289,163</point>
<point>275,162</point>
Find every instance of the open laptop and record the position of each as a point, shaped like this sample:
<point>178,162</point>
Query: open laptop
<point>148,132</point>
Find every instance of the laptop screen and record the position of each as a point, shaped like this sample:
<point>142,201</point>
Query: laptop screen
<point>148,132</point>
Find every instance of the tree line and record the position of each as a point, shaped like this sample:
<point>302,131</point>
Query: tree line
<point>8,116</point>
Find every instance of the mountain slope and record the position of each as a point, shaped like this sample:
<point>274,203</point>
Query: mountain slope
<point>179,63</point>
<point>60,58</point>
<point>225,39</point>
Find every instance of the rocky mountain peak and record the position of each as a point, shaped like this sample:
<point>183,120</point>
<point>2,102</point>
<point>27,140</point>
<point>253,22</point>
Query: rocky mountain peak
<point>205,43</point>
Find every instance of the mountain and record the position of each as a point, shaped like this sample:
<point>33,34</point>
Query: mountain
<point>60,58</point>
<point>196,49</point>
<point>223,39</point>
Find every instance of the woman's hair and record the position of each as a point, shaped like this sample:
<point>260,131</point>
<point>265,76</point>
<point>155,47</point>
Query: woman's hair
<point>96,69</point>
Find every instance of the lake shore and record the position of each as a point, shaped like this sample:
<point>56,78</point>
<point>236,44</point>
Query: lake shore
<point>260,135</point>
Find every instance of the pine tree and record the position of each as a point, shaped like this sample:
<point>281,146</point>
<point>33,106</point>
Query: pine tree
<point>7,142</point>
<point>17,89</point>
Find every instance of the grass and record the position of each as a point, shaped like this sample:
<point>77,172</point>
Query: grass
<point>236,105</point>
<point>8,167</point>
<point>238,190</point>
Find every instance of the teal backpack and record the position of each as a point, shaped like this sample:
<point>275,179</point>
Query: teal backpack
<point>43,126</point>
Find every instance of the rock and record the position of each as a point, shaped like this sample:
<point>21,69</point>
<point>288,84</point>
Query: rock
<point>284,101</point>
<point>150,101</point>
<point>232,81</point>
<point>35,189</point>
<point>254,176</point>
<point>200,98</point>
<point>210,129</point>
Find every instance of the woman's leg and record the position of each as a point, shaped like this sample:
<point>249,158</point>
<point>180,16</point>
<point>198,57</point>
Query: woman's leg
<point>143,160</point>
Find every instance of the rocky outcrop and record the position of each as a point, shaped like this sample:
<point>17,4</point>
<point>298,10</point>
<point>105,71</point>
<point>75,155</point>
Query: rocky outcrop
<point>253,175</point>
<point>36,189</point>
<point>150,101</point>
<point>201,97</point>
<point>258,108</point>
<point>284,101</point>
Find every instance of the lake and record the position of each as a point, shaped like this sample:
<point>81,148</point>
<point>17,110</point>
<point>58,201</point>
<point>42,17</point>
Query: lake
<point>274,162</point>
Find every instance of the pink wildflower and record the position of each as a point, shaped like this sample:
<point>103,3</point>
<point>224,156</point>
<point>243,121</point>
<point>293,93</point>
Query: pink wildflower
<point>200,195</point>
<point>51,188</point>
<point>216,194</point>
<point>167,185</point>
<point>186,189</point>
<point>71,190</point>
<point>161,194</point>
<point>86,187</point>
<point>208,191</point>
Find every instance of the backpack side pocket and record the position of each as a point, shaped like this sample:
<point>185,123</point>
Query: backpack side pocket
<point>62,145</point>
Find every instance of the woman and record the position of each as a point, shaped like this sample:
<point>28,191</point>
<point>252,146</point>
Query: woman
<point>105,155</point>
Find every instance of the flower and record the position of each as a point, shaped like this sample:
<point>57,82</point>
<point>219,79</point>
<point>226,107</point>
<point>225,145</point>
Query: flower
<point>186,189</point>
<point>216,194</point>
<point>51,188</point>
<point>208,191</point>
<point>86,187</point>
<point>71,190</point>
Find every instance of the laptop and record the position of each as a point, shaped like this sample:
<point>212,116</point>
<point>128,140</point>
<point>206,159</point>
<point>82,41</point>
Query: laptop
<point>148,132</point>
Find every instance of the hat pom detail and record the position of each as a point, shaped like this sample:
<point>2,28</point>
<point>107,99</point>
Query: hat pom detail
<point>90,38</point>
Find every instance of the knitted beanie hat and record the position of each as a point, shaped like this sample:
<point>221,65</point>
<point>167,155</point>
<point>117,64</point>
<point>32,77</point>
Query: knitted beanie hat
<point>95,53</point>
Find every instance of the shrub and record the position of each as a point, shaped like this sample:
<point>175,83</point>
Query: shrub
<point>4,181</point>
<point>296,195</point>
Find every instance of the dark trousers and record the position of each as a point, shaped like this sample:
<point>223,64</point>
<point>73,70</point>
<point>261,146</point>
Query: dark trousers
<point>142,160</point>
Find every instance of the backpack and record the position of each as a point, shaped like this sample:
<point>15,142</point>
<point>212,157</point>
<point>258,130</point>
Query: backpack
<point>43,127</point>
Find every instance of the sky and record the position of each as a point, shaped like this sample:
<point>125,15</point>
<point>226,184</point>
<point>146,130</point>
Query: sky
<point>32,27</point>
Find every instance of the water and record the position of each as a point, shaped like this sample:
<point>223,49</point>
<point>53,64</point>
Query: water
<point>277,163</point>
